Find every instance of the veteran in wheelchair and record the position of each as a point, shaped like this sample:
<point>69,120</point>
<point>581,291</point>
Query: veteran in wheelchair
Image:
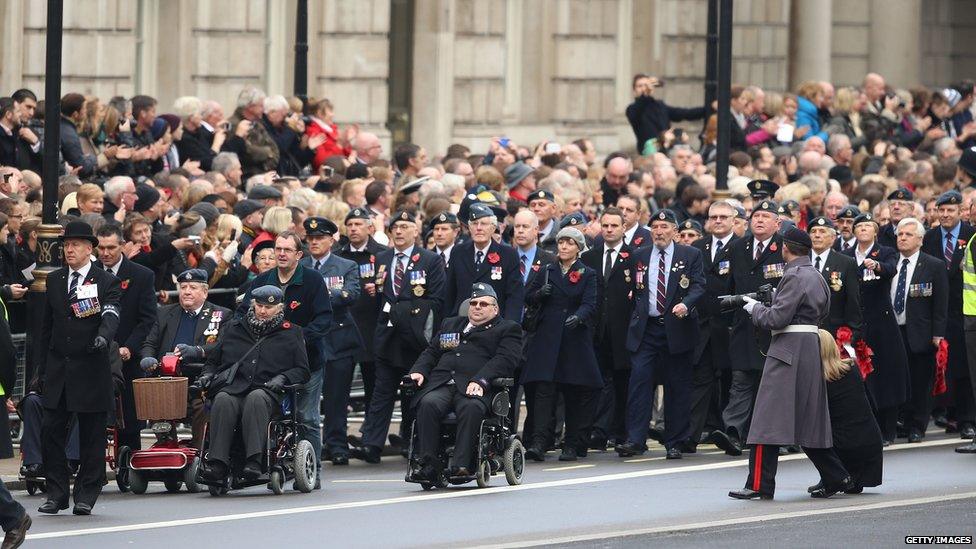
<point>250,439</point>
<point>460,379</point>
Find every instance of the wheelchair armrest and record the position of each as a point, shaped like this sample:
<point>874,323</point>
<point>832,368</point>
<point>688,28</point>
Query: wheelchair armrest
<point>501,382</point>
<point>191,369</point>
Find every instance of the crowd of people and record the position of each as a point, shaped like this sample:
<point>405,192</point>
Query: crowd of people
<point>613,264</point>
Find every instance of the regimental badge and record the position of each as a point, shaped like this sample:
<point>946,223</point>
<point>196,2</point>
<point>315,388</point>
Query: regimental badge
<point>418,291</point>
<point>450,340</point>
<point>724,267</point>
<point>835,281</point>
<point>684,281</point>
<point>313,224</point>
<point>496,273</point>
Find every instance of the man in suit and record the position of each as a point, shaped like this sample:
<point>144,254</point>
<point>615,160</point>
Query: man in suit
<point>81,316</point>
<point>188,328</point>
<point>948,242</point>
<point>635,234</point>
<point>711,356</point>
<point>920,298</point>
<point>410,284</point>
<point>754,260</point>
<point>901,204</point>
<point>342,342</point>
<point>845,228</point>
<point>668,283</point>
<point>610,258</point>
<point>137,310</point>
<point>455,372</point>
<point>543,205</point>
<point>445,230</point>
<point>481,259</point>
<point>841,273</point>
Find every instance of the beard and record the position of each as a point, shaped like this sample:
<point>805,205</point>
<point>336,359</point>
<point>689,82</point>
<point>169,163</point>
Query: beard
<point>260,327</point>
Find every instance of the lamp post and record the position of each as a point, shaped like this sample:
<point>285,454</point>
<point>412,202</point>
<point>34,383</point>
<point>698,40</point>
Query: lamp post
<point>301,51</point>
<point>48,233</point>
<point>724,91</point>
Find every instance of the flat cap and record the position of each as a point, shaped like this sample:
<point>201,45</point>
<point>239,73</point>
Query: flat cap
<point>264,192</point>
<point>245,208</point>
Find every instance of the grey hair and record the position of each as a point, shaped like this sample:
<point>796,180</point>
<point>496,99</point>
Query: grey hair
<point>942,145</point>
<point>223,162</point>
<point>209,107</point>
<point>187,106</point>
<point>814,183</point>
<point>837,142</point>
<point>249,96</point>
<point>919,228</point>
<point>531,215</point>
<point>275,103</point>
<point>117,185</point>
<point>680,147</point>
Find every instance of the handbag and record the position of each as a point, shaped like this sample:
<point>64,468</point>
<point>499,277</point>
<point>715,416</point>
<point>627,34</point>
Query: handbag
<point>226,377</point>
<point>530,320</point>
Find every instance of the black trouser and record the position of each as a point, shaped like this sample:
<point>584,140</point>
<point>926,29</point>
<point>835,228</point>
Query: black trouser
<point>580,404</point>
<point>611,408</point>
<point>335,403</point>
<point>431,410</point>
<point>742,396</point>
<point>252,411</point>
<point>888,422</point>
<point>921,373</point>
<point>11,512</point>
<point>380,411</point>
<point>367,370</point>
<point>129,433</point>
<point>704,384</point>
<point>763,459</point>
<point>32,417</point>
<point>92,443</point>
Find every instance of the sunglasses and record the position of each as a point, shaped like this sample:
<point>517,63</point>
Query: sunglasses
<point>480,304</point>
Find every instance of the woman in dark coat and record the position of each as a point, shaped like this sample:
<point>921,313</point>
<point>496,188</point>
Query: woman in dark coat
<point>857,439</point>
<point>888,383</point>
<point>560,357</point>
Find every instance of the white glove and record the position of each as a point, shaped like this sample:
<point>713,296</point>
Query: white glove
<point>750,304</point>
<point>212,255</point>
<point>230,252</point>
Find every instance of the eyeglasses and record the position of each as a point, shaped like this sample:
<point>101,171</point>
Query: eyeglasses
<point>480,304</point>
<point>719,217</point>
<point>285,250</point>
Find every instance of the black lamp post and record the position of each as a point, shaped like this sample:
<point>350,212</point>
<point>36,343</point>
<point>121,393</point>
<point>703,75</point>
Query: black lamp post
<point>724,91</point>
<point>301,51</point>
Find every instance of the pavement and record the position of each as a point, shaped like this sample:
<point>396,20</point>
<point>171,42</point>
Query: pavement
<point>600,501</point>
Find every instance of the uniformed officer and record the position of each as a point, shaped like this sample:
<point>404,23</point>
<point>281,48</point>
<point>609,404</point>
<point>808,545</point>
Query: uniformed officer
<point>791,404</point>
<point>340,345</point>
<point>444,229</point>
<point>841,273</point>
<point>901,204</point>
<point>543,205</point>
<point>137,310</point>
<point>454,374</point>
<point>920,299</point>
<point>362,249</point>
<point>667,286</point>
<point>755,261</point>
<point>410,283</point>
<point>948,241</point>
<point>187,329</point>
<point>256,356</point>
<point>81,316</point>
<point>689,232</point>
<point>481,259</point>
<point>845,228</point>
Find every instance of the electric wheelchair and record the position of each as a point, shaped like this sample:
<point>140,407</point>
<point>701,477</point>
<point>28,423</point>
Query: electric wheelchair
<point>499,448</point>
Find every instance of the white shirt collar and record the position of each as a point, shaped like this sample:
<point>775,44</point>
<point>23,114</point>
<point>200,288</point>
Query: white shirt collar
<point>823,258</point>
<point>408,252</point>
<point>765,243</point>
<point>207,126</point>
<point>616,249</point>
<point>83,271</point>
<point>196,312</point>
<point>629,233</point>
<point>912,259</point>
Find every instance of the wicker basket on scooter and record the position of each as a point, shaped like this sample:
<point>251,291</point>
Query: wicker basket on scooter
<point>160,398</point>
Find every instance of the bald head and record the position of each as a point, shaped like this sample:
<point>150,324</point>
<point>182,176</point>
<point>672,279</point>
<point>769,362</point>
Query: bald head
<point>618,172</point>
<point>368,147</point>
<point>809,162</point>
<point>873,85</point>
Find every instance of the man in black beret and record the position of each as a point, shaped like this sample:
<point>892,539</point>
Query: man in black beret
<point>454,374</point>
<point>841,274</point>
<point>445,230</point>
<point>845,228</point>
<point>543,205</point>
<point>901,204</point>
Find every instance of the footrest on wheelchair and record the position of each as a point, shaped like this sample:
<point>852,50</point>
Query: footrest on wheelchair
<point>461,479</point>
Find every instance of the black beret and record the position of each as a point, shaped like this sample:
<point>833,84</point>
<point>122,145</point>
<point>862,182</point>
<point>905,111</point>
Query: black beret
<point>865,218</point>
<point>268,295</point>
<point>665,214</point>
<point>263,192</point>
<point>949,198</point>
<point>358,213</point>
<point>762,188</point>
<point>691,225</point>
<point>320,226</point>
<point>766,205</point>
<point>444,218</point>
<point>572,220</point>
<point>820,222</point>
<point>740,212</point>
<point>797,236</point>
<point>245,208</point>
<point>788,207</point>
<point>193,275</point>
<point>901,193</point>
<point>480,289</point>
<point>402,215</point>
<point>542,195</point>
<point>849,212</point>
<point>479,210</point>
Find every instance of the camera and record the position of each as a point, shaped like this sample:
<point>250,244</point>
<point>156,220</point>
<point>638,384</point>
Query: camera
<point>764,295</point>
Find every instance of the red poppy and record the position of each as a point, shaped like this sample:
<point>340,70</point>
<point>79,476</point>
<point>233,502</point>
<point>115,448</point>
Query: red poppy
<point>844,335</point>
<point>125,284</point>
<point>874,253</point>
<point>624,255</point>
<point>637,241</point>
<point>535,268</point>
<point>772,247</point>
<point>416,257</point>
<point>962,243</point>
<point>494,258</point>
<point>293,305</point>
<point>286,324</point>
<point>574,277</point>
<point>372,259</point>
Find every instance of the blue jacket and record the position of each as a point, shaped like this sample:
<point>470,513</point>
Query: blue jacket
<point>806,115</point>
<point>342,279</point>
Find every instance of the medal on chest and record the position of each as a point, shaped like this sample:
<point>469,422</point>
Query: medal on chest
<point>496,273</point>
<point>450,340</point>
<point>835,281</point>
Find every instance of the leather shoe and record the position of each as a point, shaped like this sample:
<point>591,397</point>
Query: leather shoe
<point>535,454</point>
<point>731,445</point>
<point>673,453</point>
<point>655,434</point>
<point>746,493</point>
<point>815,487</point>
<point>967,449</point>
<point>688,447</point>
<point>968,431</point>
<point>51,507</point>
<point>597,443</point>
<point>214,471</point>
<point>82,509</point>
<point>886,443</point>
<point>914,437</point>
<point>251,470</point>
<point>824,492</point>
<point>854,489</point>
<point>16,535</point>
<point>340,459</point>
<point>628,449</point>
<point>34,470</point>
<point>369,454</point>
<point>568,454</point>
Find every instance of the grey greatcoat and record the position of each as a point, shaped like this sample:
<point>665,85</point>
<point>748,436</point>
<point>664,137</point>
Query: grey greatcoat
<point>791,406</point>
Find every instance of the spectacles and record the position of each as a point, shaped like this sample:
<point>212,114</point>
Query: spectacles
<point>480,304</point>
<point>285,250</point>
<point>719,217</point>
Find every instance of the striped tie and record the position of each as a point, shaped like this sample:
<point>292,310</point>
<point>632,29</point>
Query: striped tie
<point>73,287</point>
<point>398,274</point>
<point>661,286</point>
<point>948,250</point>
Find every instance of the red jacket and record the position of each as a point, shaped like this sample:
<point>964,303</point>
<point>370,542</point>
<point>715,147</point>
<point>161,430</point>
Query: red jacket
<point>330,147</point>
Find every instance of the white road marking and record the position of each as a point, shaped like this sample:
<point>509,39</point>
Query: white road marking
<point>369,480</point>
<point>569,467</point>
<point>442,495</point>
<point>729,522</point>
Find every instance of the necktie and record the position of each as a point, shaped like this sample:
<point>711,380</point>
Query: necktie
<point>398,274</point>
<point>900,290</point>
<point>661,286</point>
<point>74,283</point>
<point>948,250</point>
<point>847,246</point>
<point>318,264</point>
<point>443,259</point>
<point>759,250</point>
<point>522,266</point>
<point>817,263</point>
<point>478,257</point>
<point>608,265</point>
<point>718,248</point>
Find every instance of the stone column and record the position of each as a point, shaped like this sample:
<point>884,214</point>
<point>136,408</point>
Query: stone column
<point>895,41</point>
<point>432,103</point>
<point>810,29</point>
<point>12,58</point>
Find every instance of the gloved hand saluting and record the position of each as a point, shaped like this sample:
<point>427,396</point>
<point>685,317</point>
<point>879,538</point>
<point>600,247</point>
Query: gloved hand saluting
<point>189,352</point>
<point>98,344</point>
<point>148,364</point>
<point>276,384</point>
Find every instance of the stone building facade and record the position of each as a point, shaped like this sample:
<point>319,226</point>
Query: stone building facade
<point>444,71</point>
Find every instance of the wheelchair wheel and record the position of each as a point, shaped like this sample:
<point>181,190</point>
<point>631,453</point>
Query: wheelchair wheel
<point>276,482</point>
<point>216,491</point>
<point>484,474</point>
<point>137,482</point>
<point>514,462</point>
<point>173,485</point>
<point>427,486</point>
<point>304,467</point>
<point>122,469</point>
<point>190,476</point>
